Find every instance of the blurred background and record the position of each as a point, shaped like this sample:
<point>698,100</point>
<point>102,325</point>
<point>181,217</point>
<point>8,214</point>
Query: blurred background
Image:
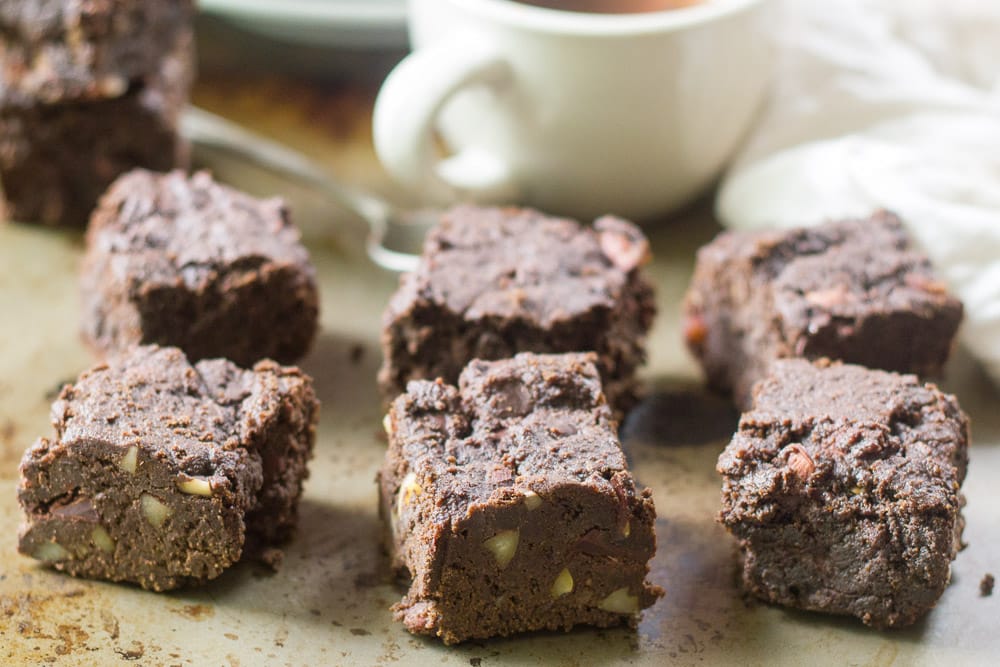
<point>306,78</point>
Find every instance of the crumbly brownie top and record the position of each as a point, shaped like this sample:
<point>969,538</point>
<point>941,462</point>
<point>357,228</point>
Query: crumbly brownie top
<point>851,431</point>
<point>158,227</point>
<point>529,423</point>
<point>772,252</point>
<point>845,271</point>
<point>71,50</point>
<point>867,262</point>
<point>513,262</point>
<point>153,397</point>
<point>34,21</point>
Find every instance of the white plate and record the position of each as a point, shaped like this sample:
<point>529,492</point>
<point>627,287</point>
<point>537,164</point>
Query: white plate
<point>333,23</point>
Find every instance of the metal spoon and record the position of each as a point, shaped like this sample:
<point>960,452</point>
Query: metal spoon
<point>389,227</point>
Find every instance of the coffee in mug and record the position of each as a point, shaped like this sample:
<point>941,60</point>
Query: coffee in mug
<point>611,6</point>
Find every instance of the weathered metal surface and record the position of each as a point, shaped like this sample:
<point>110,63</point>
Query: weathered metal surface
<point>329,603</point>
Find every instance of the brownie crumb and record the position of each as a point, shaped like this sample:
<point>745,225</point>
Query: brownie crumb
<point>357,353</point>
<point>273,558</point>
<point>986,585</point>
<point>132,653</point>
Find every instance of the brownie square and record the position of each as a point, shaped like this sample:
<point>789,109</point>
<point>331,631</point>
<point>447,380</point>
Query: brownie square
<point>57,158</point>
<point>842,486</point>
<point>509,504</point>
<point>493,282</point>
<point>76,50</point>
<point>185,261</point>
<point>163,473</point>
<point>854,290</point>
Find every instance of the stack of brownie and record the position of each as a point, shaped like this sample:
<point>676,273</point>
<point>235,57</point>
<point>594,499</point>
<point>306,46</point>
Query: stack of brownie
<point>842,481</point>
<point>168,464</point>
<point>505,492</point>
<point>88,90</point>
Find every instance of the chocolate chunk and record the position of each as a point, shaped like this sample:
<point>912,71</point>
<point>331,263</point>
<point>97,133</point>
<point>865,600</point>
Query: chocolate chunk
<point>622,242</point>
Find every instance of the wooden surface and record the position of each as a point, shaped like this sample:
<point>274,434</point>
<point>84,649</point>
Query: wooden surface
<point>329,604</point>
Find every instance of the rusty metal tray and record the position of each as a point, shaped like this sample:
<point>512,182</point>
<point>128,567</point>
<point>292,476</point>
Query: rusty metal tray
<point>329,604</point>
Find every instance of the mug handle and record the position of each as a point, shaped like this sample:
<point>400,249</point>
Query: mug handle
<point>406,112</point>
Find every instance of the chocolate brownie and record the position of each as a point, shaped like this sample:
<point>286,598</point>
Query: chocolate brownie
<point>75,50</point>
<point>842,486</point>
<point>854,290</point>
<point>493,282</point>
<point>986,585</point>
<point>77,113</point>
<point>164,474</point>
<point>185,261</point>
<point>509,503</point>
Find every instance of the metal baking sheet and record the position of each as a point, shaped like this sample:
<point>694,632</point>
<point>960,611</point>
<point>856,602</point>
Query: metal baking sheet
<point>329,603</point>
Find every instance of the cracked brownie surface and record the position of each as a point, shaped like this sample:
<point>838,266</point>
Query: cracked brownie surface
<point>854,290</point>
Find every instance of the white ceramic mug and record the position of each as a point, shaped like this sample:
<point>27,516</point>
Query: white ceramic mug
<point>575,113</point>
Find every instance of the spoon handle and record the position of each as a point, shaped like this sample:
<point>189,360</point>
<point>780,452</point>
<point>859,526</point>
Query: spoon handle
<point>208,129</point>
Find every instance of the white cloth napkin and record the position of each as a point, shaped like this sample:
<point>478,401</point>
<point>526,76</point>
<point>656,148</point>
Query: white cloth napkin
<point>887,104</point>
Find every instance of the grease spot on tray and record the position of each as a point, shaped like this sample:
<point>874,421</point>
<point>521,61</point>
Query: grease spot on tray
<point>885,656</point>
<point>367,580</point>
<point>109,623</point>
<point>196,612</point>
<point>69,636</point>
<point>136,651</point>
